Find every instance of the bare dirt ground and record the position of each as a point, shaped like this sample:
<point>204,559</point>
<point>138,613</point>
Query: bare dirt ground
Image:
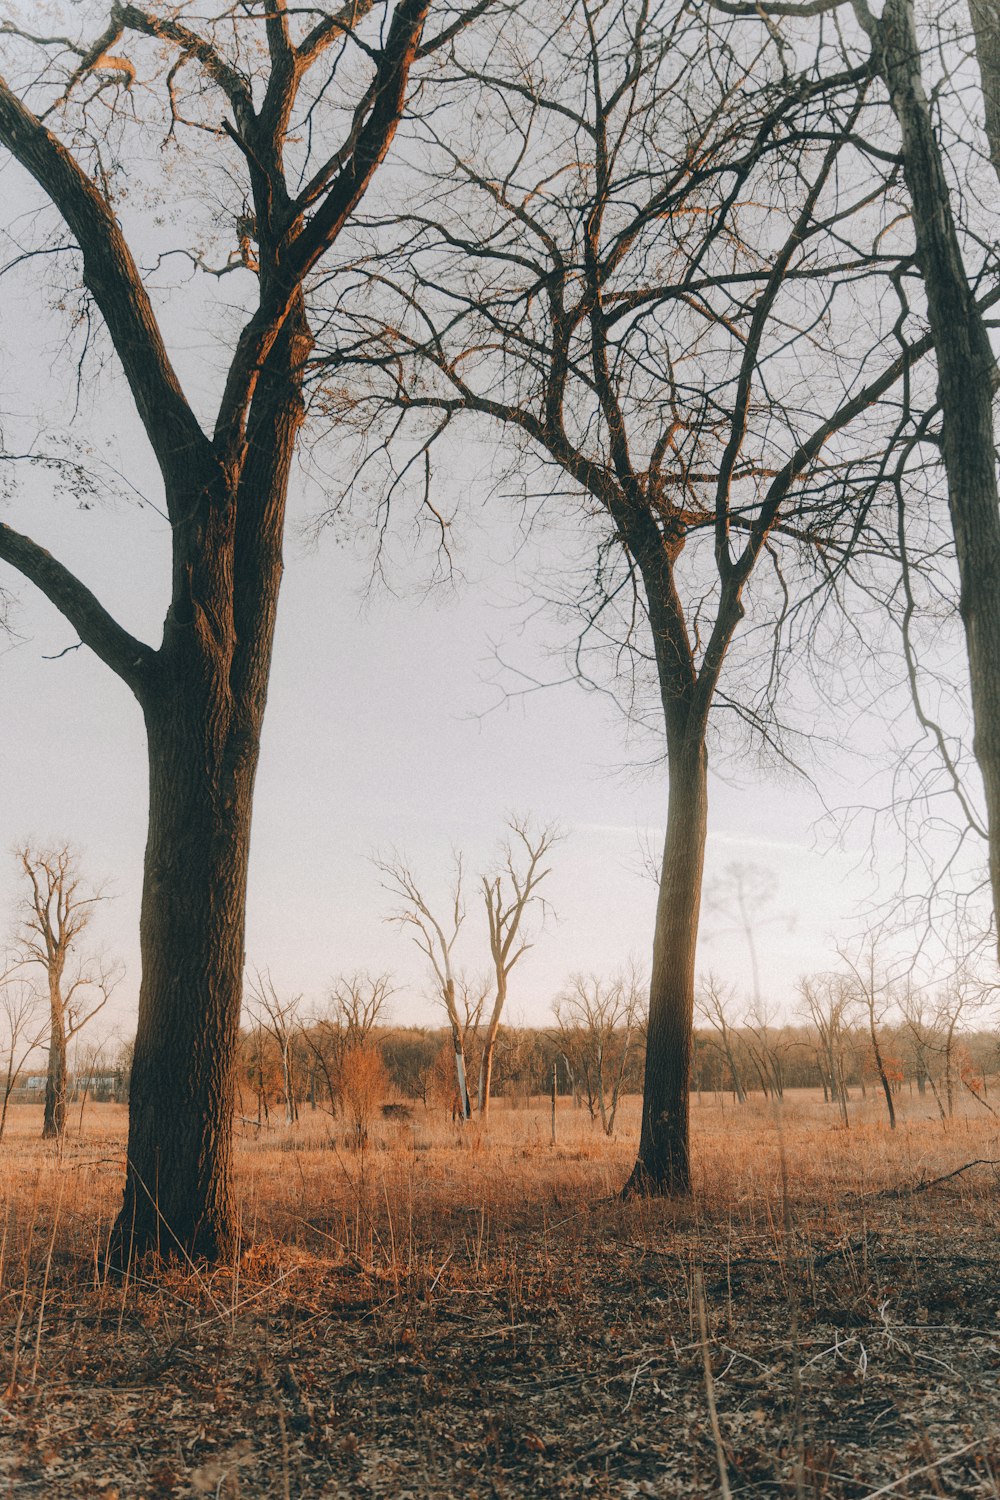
<point>474,1314</point>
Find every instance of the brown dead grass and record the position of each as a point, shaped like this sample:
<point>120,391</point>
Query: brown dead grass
<point>472,1312</point>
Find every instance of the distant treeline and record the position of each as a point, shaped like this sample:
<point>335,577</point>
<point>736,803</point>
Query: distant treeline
<point>329,1066</point>
<point>416,1064</point>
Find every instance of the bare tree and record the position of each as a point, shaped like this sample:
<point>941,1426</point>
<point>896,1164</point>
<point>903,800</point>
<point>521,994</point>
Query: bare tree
<point>509,892</point>
<point>714,1002</point>
<point>874,993</point>
<point>599,1020</point>
<point>356,1004</point>
<point>952,1006</point>
<point>288,111</point>
<point>766,1043</point>
<point>55,916</point>
<point>828,1002</point>
<point>280,1018</point>
<point>436,939</point>
<point>25,1027</point>
<point>625,329</point>
<point>360,1002</point>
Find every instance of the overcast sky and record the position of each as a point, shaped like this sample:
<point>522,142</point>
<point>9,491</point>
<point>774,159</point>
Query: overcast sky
<point>383,728</point>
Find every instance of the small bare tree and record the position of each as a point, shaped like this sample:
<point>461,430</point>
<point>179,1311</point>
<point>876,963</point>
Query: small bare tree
<point>828,1003</point>
<point>603,1017</point>
<point>951,1006</point>
<point>436,939</point>
<point>355,1005</point>
<point>281,1019</point>
<point>714,1003</point>
<point>359,1002</point>
<point>874,993</point>
<point>25,1027</point>
<point>508,893</point>
<point>766,1043</point>
<point>55,916</point>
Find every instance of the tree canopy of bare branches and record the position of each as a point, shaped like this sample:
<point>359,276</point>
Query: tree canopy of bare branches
<point>651,284</point>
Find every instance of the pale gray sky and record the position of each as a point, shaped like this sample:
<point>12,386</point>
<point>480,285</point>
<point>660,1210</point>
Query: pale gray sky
<point>375,733</point>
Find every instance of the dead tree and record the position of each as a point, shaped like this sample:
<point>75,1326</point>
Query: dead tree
<point>280,1019</point>
<point>509,893</point>
<point>436,940</point>
<point>360,1002</point>
<point>599,1019</point>
<point>55,916</point>
<point>295,110</point>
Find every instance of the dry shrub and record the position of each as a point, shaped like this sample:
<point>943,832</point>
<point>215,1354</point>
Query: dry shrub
<point>364,1083</point>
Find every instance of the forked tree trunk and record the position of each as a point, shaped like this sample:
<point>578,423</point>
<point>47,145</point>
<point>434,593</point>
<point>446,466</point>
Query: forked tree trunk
<point>664,1161</point>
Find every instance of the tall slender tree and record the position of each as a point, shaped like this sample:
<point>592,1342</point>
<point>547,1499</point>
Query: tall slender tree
<point>651,284</point>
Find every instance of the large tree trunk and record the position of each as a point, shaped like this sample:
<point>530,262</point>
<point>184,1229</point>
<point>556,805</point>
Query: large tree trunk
<point>204,708</point>
<point>664,1162</point>
<point>178,1193</point>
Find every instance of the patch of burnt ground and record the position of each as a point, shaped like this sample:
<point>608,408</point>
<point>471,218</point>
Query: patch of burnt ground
<point>849,1353</point>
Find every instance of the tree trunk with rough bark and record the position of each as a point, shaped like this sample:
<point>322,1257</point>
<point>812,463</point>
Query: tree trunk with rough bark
<point>203,690</point>
<point>178,1192</point>
<point>664,1160</point>
<point>204,707</point>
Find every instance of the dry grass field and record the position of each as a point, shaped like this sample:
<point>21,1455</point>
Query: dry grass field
<point>473,1313</point>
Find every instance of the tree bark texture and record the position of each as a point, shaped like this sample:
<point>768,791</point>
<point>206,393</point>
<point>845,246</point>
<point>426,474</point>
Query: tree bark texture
<point>204,707</point>
<point>664,1161</point>
<point>178,1192</point>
